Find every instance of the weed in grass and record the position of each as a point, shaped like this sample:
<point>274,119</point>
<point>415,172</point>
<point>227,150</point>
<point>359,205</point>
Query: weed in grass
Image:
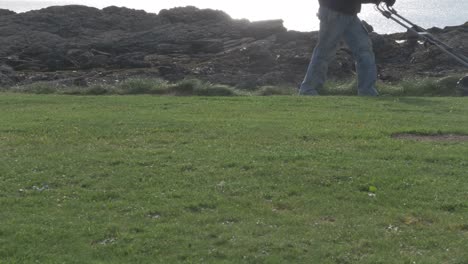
<point>372,189</point>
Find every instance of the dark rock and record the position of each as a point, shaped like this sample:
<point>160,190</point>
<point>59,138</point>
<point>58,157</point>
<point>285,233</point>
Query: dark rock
<point>248,82</point>
<point>79,45</point>
<point>388,50</point>
<point>463,85</point>
<point>5,81</point>
<point>171,48</point>
<point>158,60</point>
<point>260,55</point>
<point>7,76</point>
<point>131,60</point>
<point>207,46</point>
<point>262,29</point>
<point>173,72</point>
<point>126,19</point>
<point>6,69</point>
<point>296,37</point>
<point>6,12</point>
<point>98,61</point>
<point>274,78</point>
<point>79,58</point>
<point>78,81</point>
<point>191,14</point>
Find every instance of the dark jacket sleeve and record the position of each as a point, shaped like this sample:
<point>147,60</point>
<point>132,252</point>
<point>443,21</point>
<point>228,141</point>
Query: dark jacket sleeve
<point>370,1</point>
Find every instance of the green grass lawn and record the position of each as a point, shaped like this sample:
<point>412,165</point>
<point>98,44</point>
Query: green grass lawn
<point>143,179</point>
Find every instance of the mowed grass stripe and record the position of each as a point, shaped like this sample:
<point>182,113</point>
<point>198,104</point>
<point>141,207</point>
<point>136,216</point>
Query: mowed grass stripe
<point>142,179</point>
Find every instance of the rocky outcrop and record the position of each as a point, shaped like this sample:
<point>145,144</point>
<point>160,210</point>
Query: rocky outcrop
<point>69,42</point>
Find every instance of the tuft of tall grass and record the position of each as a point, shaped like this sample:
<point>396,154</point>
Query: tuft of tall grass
<point>191,87</point>
<point>389,89</point>
<point>446,86</point>
<point>186,87</point>
<point>430,86</point>
<point>215,90</point>
<point>35,88</point>
<point>143,86</point>
<point>98,90</point>
<point>346,87</point>
<point>276,90</point>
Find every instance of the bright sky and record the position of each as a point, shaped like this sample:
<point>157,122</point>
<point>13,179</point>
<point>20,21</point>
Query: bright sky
<point>297,14</point>
<point>304,11</point>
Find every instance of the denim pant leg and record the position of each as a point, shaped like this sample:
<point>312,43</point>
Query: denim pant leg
<point>357,38</point>
<point>332,28</point>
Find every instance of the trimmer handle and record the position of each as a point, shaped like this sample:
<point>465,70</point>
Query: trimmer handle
<point>385,9</point>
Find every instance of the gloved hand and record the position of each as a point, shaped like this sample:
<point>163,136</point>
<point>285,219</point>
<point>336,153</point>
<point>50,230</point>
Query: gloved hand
<point>389,2</point>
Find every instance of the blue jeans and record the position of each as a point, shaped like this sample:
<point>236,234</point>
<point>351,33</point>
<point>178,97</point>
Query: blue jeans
<point>335,26</point>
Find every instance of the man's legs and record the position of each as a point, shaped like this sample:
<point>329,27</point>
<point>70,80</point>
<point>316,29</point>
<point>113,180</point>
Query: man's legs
<point>332,28</point>
<point>357,38</point>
